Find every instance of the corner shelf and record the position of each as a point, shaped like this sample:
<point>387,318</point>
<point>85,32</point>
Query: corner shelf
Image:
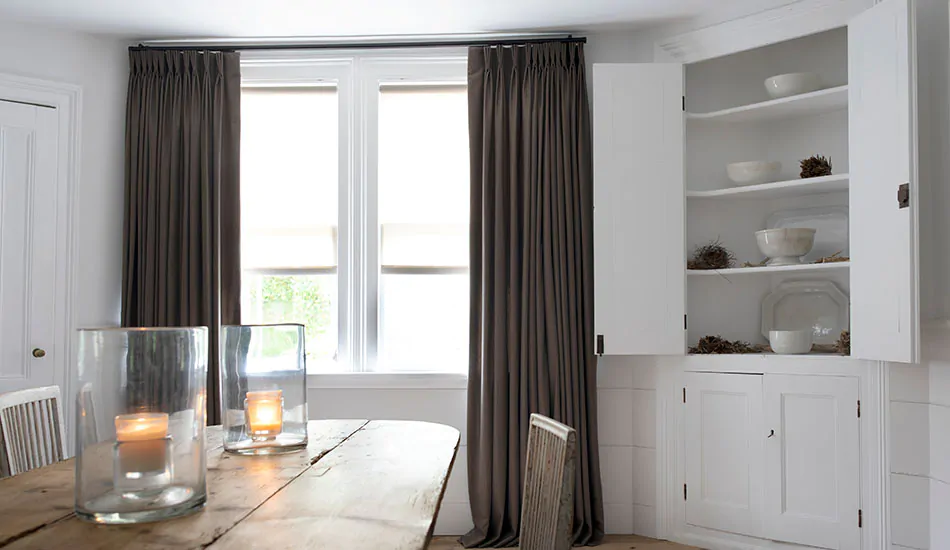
<point>812,103</point>
<point>779,189</point>
<point>769,269</point>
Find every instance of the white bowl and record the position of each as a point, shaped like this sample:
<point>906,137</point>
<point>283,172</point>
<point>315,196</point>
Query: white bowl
<point>790,341</point>
<point>753,172</point>
<point>785,246</point>
<point>790,84</point>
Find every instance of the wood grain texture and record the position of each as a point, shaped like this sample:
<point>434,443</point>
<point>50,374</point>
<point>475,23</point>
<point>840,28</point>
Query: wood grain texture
<point>236,485</point>
<point>381,489</point>
<point>34,499</point>
<point>41,497</point>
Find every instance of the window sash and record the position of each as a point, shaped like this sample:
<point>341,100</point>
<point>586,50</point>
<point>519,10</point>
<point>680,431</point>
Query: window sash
<point>358,77</point>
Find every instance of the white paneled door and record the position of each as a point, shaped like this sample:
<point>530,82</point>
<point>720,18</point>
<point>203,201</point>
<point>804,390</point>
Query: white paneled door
<point>28,230</point>
<point>639,243</point>
<point>811,468</point>
<point>724,452</point>
<point>882,104</point>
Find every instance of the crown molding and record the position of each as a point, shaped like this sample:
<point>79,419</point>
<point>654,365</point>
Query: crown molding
<point>759,29</point>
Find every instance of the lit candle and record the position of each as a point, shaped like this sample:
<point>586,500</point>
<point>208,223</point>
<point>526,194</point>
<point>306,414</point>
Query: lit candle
<point>141,427</point>
<point>265,412</point>
<point>141,449</point>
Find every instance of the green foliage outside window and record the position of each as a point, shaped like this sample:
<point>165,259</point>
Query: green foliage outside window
<point>299,299</point>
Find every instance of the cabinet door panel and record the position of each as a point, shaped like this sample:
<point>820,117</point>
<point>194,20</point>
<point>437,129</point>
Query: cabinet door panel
<point>639,246</point>
<point>812,465</point>
<point>724,452</point>
<point>882,119</point>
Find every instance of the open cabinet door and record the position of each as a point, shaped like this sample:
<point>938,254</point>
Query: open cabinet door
<point>884,187</point>
<point>639,248</point>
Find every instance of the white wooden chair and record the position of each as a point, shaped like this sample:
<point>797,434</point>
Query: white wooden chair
<point>31,424</point>
<point>547,505</point>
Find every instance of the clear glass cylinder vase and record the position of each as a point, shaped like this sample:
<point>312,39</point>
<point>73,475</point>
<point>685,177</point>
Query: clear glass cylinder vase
<point>140,424</point>
<point>264,388</point>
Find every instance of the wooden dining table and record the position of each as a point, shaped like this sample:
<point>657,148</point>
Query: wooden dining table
<point>358,485</point>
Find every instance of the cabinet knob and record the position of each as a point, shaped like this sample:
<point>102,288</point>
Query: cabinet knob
<point>39,353</point>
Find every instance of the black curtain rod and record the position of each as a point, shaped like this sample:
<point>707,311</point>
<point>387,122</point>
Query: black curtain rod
<point>362,45</point>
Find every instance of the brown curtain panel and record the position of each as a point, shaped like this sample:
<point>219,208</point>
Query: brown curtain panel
<point>531,279</point>
<point>182,208</point>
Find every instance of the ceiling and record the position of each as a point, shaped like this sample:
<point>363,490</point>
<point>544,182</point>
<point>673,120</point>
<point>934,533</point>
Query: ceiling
<point>143,19</point>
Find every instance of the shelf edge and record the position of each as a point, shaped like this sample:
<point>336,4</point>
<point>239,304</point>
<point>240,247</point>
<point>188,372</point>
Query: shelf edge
<point>766,104</point>
<point>770,186</point>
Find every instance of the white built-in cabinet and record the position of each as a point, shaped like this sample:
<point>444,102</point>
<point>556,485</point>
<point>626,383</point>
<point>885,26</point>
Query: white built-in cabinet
<point>774,457</point>
<point>766,451</point>
<point>663,134</point>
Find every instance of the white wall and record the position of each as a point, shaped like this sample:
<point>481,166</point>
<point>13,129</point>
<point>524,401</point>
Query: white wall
<point>100,66</point>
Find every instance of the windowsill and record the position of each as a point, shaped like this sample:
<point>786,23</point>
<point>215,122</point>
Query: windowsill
<point>388,381</point>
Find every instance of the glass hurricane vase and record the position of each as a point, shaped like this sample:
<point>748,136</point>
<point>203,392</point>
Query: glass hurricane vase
<point>140,437</point>
<point>264,388</point>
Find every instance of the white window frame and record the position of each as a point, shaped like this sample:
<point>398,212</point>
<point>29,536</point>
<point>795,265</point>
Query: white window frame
<point>359,74</point>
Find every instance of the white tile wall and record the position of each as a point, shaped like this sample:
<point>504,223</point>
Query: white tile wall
<point>618,518</point>
<point>909,383</point>
<point>644,476</point>
<point>920,446</point>
<point>910,434</point>
<point>616,472</point>
<point>939,520</point>
<point>910,514</point>
<point>644,520</point>
<point>643,420</point>
<point>627,418</point>
<point>615,417</point>
<point>940,446</point>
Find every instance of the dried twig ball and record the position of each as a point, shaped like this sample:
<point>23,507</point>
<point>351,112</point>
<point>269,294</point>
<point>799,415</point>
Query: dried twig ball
<point>843,345</point>
<point>715,345</point>
<point>711,256</point>
<point>815,166</point>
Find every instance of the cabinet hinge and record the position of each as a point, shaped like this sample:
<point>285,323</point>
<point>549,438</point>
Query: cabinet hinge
<point>860,519</point>
<point>684,395</point>
<point>684,491</point>
<point>859,408</point>
<point>600,344</point>
<point>903,195</point>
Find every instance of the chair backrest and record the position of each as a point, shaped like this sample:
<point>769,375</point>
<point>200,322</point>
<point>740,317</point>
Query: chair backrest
<point>547,506</point>
<point>31,423</point>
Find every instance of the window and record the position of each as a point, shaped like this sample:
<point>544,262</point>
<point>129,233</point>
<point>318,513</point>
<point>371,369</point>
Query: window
<point>355,205</point>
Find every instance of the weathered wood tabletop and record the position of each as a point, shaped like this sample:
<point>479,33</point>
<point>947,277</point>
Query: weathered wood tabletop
<point>359,485</point>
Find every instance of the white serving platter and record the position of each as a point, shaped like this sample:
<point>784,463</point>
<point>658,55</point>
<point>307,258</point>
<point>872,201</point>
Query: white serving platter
<point>799,305</point>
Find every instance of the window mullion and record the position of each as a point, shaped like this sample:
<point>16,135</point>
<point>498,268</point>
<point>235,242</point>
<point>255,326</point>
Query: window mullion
<point>347,290</point>
<point>370,222</point>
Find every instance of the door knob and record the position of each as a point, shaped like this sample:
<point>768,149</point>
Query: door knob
<point>39,353</point>
<point>771,433</point>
